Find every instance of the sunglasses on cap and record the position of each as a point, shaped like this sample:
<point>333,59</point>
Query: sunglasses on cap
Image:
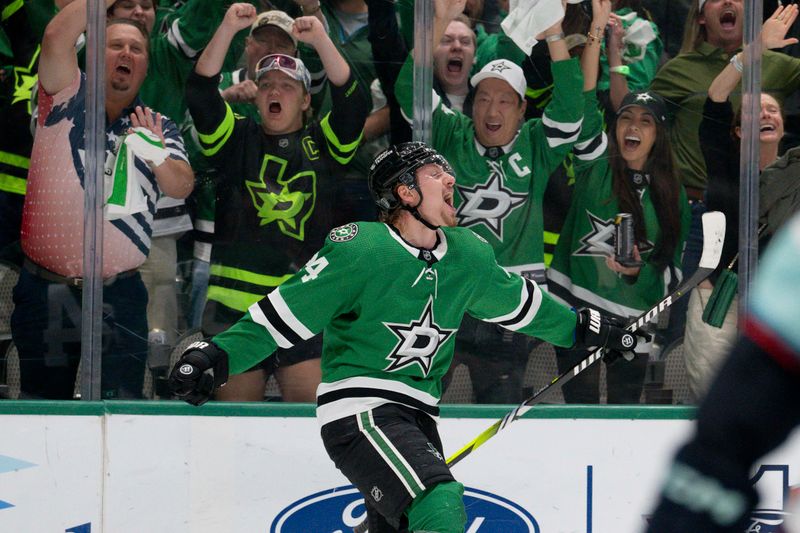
<point>289,65</point>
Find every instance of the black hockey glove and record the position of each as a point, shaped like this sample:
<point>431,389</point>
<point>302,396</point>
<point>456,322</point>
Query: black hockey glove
<point>202,368</point>
<point>595,330</point>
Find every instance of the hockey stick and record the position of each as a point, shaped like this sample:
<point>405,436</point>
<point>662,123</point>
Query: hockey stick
<point>713,236</point>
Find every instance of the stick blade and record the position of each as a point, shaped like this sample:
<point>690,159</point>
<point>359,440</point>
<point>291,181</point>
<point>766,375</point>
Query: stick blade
<point>713,237</point>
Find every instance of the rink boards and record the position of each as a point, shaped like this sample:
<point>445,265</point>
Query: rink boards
<point>118,467</point>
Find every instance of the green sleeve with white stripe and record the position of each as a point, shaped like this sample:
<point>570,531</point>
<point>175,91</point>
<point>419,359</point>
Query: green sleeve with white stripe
<point>520,305</point>
<point>297,310</point>
<point>556,133</point>
<point>592,142</point>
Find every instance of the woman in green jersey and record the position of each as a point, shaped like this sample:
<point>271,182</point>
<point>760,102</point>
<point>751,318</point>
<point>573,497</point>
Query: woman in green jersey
<point>633,174</point>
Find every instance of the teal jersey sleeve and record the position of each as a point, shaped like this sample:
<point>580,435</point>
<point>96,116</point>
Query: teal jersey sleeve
<point>775,296</point>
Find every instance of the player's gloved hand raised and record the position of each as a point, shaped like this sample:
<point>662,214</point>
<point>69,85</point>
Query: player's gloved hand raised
<point>594,330</point>
<point>202,367</point>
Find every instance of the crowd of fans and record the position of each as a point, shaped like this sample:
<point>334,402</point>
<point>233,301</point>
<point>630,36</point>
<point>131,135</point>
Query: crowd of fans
<point>238,135</point>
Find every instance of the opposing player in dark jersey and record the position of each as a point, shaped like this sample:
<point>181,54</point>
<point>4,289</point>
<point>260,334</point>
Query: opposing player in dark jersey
<point>274,198</point>
<point>390,296</point>
<point>753,406</point>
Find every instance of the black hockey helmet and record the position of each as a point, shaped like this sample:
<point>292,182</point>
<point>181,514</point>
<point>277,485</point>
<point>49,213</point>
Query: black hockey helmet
<point>397,165</point>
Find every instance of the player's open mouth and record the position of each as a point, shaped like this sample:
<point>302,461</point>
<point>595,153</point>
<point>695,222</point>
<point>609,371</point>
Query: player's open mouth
<point>632,142</point>
<point>448,199</point>
<point>728,19</point>
<point>767,127</point>
<point>455,65</point>
<point>123,69</point>
<point>274,107</point>
<point>493,127</point>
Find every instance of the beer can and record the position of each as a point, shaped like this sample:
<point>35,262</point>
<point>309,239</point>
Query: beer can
<point>624,238</point>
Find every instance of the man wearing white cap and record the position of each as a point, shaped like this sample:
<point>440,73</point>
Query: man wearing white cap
<point>502,164</point>
<point>276,179</point>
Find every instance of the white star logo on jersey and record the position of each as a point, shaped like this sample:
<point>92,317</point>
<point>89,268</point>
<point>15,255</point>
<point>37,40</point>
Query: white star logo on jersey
<point>600,240</point>
<point>419,341</point>
<point>488,203</point>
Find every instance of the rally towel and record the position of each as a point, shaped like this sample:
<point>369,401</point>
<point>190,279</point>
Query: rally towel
<point>528,18</point>
<point>124,194</point>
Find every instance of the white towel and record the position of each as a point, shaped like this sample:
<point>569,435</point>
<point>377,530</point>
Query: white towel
<point>528,18</point>
<point>124,194</point>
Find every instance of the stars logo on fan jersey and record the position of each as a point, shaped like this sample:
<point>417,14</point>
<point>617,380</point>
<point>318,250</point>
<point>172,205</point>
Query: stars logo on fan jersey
<point>488,203</point>
<point>600,240</point>
<point>286,201</point>
<point>418,341</point>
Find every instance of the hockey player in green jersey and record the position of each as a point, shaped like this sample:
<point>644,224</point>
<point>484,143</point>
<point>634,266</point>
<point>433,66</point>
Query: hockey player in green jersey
<point>633,173</point>
<point>390,296</point>
<point>503,163</point>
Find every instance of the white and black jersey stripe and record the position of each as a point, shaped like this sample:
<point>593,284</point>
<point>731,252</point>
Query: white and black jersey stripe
<point>355,395</point>
<point>559,133</point>
<point>530,300</point>
<point>592,149</point>
<point>273,313</point>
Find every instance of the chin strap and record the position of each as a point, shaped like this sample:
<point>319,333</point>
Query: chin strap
<point>415,212</point>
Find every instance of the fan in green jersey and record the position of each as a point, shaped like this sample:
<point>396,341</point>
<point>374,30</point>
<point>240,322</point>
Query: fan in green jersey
<point>631,174</point>
<point>390,296</point>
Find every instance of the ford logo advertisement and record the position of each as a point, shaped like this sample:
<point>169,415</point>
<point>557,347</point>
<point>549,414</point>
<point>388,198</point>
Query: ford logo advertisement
<point>341,509</point>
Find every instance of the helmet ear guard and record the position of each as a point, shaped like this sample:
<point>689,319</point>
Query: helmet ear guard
<point>389,200</point>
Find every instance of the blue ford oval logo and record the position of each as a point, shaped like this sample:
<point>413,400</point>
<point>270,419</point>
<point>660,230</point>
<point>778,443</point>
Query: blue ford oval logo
<point>341,509</point>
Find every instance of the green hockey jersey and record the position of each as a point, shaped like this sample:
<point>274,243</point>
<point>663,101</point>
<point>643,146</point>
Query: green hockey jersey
<point>578,274</point>
<point>499,195</point>
<point>389,312</point>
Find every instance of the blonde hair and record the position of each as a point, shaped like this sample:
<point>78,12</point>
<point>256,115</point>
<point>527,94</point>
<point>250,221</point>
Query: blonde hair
<point>694,33</point>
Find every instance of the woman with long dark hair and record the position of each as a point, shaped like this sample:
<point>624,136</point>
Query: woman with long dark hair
<point>631,173</point>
